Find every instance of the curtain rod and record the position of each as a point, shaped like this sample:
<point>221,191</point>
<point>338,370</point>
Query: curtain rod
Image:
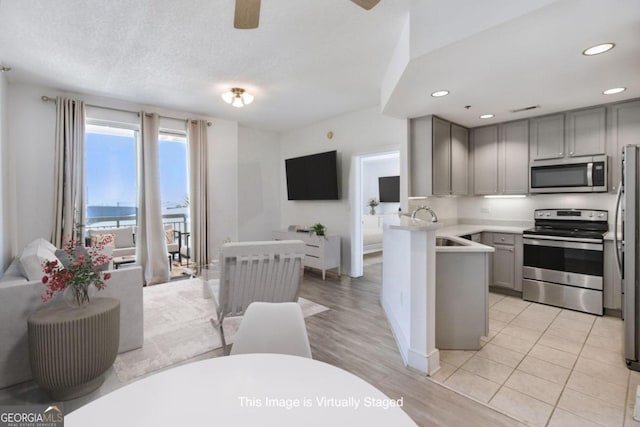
<point>46,98</point>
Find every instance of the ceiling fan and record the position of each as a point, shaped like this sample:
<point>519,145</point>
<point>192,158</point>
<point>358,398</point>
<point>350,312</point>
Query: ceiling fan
<point>247,13</point>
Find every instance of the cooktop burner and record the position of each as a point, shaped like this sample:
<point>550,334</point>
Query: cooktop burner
<point>574,223</point>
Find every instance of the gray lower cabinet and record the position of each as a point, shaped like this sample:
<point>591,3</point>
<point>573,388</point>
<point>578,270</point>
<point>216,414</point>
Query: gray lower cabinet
<point>506,264</point>
<point>462,299</point>
<point>503,262</point>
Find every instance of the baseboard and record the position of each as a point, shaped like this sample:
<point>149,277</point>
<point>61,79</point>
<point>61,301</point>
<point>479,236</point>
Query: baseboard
<point>613,312</point>
<point>505,291</point>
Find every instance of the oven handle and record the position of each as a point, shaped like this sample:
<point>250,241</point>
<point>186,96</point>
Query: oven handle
<point>563,244</point>
<point>562,239</point>
<point>590,174</point>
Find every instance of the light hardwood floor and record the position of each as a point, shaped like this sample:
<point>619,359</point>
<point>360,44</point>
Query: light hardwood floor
<point>354,335</point>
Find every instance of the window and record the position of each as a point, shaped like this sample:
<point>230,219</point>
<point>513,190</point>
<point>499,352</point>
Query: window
<point>111,179</point>
<point>174,183</point>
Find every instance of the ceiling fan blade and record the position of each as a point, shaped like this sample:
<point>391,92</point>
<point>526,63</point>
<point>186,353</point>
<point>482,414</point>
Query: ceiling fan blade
<point>366,4</point>
<point>247,15</point>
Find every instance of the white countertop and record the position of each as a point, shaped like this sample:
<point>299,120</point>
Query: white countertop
<point>454,232</point>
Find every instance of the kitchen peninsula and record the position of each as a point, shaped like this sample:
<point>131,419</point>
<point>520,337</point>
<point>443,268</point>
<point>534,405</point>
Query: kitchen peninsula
<point>408,288</point>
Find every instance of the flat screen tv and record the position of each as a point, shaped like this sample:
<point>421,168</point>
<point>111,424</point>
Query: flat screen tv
<point>389,189</point>
<point>313,177</point>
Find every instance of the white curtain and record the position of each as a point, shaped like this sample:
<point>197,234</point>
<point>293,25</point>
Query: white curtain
<point>151,243</point>
<point>68,181</point>
<point>197,140</point>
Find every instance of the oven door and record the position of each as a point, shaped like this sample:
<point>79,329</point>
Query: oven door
<point>567,261</point>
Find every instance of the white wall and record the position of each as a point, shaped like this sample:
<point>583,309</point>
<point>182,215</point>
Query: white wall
<point>373,168</point>
<point>258,184</point>
<point>31,147</point>
<point>360,132</point>
<point>5,240</point>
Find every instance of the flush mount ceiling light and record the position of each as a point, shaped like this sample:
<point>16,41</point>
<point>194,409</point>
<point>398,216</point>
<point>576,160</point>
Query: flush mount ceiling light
<point>440,93</point>
<point>614,90</point>
<point>487,116</point>
<point>237,97</point>
<point>598,49</point>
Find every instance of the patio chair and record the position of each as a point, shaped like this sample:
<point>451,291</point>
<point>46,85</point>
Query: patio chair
<point>183,246</point>
<point>267,271</point>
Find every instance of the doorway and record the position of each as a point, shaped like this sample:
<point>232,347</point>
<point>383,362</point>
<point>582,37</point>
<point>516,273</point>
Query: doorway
<point>375,184</point>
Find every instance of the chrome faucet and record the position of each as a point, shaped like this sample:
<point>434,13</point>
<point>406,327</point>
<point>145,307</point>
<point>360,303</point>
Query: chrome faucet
<point>434,217</point>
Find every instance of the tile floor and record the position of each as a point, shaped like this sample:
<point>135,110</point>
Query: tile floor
<point>547,366</point>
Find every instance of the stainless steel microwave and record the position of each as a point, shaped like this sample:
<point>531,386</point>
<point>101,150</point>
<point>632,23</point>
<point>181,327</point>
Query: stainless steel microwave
<point>574,175</point>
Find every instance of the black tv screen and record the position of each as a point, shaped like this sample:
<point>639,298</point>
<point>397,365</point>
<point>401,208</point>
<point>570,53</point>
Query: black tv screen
<point>313,177</point>
<point>389,188</point>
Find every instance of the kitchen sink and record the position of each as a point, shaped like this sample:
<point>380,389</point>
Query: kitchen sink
<point>445,241</point>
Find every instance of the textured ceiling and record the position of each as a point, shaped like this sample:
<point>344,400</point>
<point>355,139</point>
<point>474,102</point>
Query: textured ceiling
<point>308,60</point>
<point>313,59</point>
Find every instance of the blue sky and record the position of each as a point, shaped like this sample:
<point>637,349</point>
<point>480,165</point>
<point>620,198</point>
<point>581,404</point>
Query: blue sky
<point>111,171</point>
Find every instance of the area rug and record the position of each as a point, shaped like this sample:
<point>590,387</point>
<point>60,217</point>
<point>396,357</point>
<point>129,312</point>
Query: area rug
<point>177,328</point>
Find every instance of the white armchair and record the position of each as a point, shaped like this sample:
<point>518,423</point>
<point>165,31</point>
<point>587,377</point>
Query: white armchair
<point>269,271</point>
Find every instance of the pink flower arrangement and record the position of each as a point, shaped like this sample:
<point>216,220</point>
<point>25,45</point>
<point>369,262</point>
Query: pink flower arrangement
<point>82,271</point>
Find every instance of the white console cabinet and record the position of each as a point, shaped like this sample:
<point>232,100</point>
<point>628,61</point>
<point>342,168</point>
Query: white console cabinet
<point>322,253</point>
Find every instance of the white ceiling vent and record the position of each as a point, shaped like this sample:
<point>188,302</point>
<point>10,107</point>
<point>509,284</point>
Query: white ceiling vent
<point>531,107</point>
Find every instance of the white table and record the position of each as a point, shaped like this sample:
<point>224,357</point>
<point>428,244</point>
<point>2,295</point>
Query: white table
<point>243,390</point>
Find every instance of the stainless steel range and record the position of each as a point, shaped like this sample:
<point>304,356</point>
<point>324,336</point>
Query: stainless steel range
<point>564,259</point>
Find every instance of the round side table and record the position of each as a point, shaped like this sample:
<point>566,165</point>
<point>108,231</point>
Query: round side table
<point>71,348</point>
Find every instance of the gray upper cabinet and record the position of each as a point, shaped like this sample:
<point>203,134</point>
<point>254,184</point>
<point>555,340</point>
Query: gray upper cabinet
<point>547,137</point>
<point>585,132</point>
<point>485,160</point>
<point>420,157</point>
<point>623,129</point>
<point>513,169</point>
<point>438,157</point>
<point>441,157</point>
<point>459,160</point>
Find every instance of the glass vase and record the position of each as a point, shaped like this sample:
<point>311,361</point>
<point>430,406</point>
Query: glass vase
<point>78,296</point>
<point>372,211</point>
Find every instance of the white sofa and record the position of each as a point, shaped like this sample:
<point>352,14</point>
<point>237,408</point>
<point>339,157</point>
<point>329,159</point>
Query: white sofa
<point>123,239</point>
<point>371,234</point>
<point>19,297</point>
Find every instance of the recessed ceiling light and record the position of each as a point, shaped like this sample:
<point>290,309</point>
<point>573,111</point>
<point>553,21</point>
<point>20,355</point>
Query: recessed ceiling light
<point>440,93</point>
<point>598,49</point>
<point>487,116</point>
<point>614,90</point>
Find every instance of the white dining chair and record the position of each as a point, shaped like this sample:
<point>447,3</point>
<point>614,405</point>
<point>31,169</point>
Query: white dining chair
<point>272,328</point>
<point>265,271</point>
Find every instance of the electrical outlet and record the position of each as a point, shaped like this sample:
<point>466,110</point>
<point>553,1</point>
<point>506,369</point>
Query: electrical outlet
<point>485,210</point>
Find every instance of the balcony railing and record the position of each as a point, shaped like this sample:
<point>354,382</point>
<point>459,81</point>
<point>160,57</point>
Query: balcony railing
<point>178,220</point>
